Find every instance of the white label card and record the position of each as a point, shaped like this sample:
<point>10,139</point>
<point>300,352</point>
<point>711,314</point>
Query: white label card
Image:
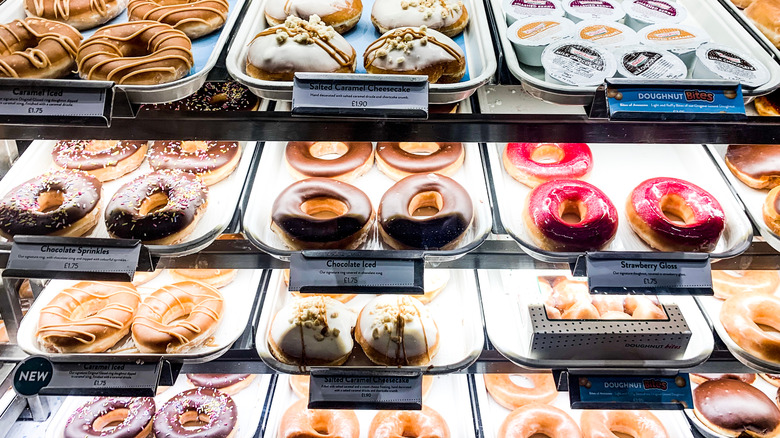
<point>619,274</point>
<point>355,275</point>
<point>52,101</point>
<point>40,257</point>
<point>365,391</point>
<point>103,378</point>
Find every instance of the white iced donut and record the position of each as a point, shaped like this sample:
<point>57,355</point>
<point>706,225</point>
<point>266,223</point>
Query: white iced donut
<point>447,16</point>
<point>343,15</point>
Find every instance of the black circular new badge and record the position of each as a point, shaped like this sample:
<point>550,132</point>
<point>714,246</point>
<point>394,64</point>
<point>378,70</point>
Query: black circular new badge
<point>32,375</point>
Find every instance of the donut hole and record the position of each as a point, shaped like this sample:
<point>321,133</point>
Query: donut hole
<point>547,154</point>
<point>419,148</point>
<point>328,150</point>
<point>521,381</point>
<point>99,145</point>
<point>426,204</point>
<point>572,212</point>
<point>218,99</point>
<point>153,203</point>
<point>191,147</point>
<point>192,419</point>
<point>324,208</point>
<point>676,209</point>
<point>50,201</point>
<point>110,420</point>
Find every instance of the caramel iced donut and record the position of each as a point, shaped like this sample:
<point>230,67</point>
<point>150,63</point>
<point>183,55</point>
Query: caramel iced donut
<point>276,53</point>
<point>741,316</point>
<point>341,15</point>
<point>512,396</point>
<point>136,53</point>
<point>411,424</point>
<point>177,318</point>
<point>88,317</point>
<point>305,159</point>
<point>212,277</point>
<point>82,15</point>
<point>536,163</point>
<point>195,18</point>
<point>94,418</point>
<point>230,384</point>
<point>61,203</point>
<point>447,16</point>
<point>37,48</point>
<point>699,378</point>
<point>416,51</point>
<point>216,412</point>
<point>103,159</point>
<point>726,284</point>
<point>537,419</point>
<point>636,424</point>
<point>399,160</point>
<point>758,165</point>
<point>298,421</point>
<point>212,161</point>
<point>733,408</point>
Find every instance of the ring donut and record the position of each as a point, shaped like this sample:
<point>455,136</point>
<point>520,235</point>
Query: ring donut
<point>229,384</point>
<point>734,408</point>
<point>399,160</point>
<point>304,159</point>
<point>341,15</point>
<point>195,18</point>
<point>211,161</point>
<point>82,14</point>
<point>216,411</point>
<point>755,165</point>
<point>635,424</point>
<point>536,163</point>
<point>104,159</point>
<point>38,48</point>
<point>741,316</point>
<point>512,396</point>
<point>449,17</point>
<point>299,421</point>
<point>537,419</point>
<point>132,417</point>
<point>424,423</point>
<point>726,284</point>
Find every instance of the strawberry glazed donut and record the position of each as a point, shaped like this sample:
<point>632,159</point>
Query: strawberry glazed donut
<point>547,204</point>
<point>535,163</point>
<point>702,218</point>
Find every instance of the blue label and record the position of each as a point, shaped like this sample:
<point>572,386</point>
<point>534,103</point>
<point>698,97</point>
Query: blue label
<point>676,102</point>
<point>630,392</point>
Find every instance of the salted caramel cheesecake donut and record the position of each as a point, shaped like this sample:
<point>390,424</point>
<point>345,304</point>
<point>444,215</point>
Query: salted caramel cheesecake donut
<point>449,17</point>
<point>731,407</point>
<point>37,48</point>
<point>341,15</point>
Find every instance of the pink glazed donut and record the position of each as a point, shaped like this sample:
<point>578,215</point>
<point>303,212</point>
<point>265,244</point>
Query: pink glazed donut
<point>702,217</point>
<point>547,204</point>
<point>535,163</point>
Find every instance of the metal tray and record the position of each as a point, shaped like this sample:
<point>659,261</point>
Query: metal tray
<point>456,311</point>
<point>506,293</point>
<point>222,197</point>
<point>748,23</point>
<point>205,51</point>
<point>475,42</point>
<point>235,318</point>
<point>715,20</point>
<point>618,168</point>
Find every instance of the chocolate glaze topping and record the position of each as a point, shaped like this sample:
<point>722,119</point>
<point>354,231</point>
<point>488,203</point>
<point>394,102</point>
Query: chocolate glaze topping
<point>172,155</point>
<point>76,154</point>
<point>755,160</point>
<point>398,158</point>
<point>217,408</point>
<point>299,157</point>
<point>213,96</point>
<point>81,423</point>
<point>735,405</point>
<point>216,381</point>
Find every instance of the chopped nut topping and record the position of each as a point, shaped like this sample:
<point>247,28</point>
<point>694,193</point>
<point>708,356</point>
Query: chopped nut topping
<point>381,53</point>
<point>334,315</point>
<point>400,60</point>
<point>336,332</point>
<point>304,32</point>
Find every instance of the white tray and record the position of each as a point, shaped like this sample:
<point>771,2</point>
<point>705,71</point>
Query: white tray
<point>455,309</point>
<point>247,402</point>
<point>238,297</point>
<point>507,293</point>
<point>617,169</point>
<point>222,197</point>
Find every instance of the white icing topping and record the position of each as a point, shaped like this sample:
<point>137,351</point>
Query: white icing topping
<point>280,9</point>
<point>435,14</point>
<point>398,326</point>
<point>415,48</point>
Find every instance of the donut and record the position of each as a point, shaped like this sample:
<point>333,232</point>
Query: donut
<point>449,17</point>
<point>399,160</point>
<point>699,378</point>
<point>159,208</point>
<point>416,51</point>
<point>140,278</point>
<point>397,330</point>
<point>608,303</point>
<point>230,384</point>
<point>773,379</point>
<point>37,48</point>
<point>566,292</point>
<point>341,15</point>
<point>195,18</point>
<point>758,166</point>
<point>581,310</point>
<point>741,316</point>
<point>87,317</point>
<point>570,215</point>
<point>216,412</point>
<point>60,203</point>
<point>727,284</point>
<point>731,407</point>
<point>299,421</point>
<point>313,331</point>
<point>642,307</point>
<point>305,159</point>
<point>321,213</point>
<point>131,418</point>
<point>535,163</point>
<point>156,54</point>
<point>444,229</point>
<point>512,396</point>
<point>300,385</point>
<point>338,297</point>
<point>633,423</point>
<point>276,53</point>
<point>212,277</point>
<point>82,15</point>
<point>613,314</point>
<point>767,105</point>
<point>702,218</point>
<point>212,161</point>
<point>177,318</point>
<point>771,210</point>
<point>213,96</point>
<point>537,419</point>
<point>103,159</point>
<point>412,424</point>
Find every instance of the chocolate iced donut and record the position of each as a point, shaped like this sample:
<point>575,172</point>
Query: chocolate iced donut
<point>703,377</point>
<point>229,384</point>
<point>212,161</point>
<point>103,159</point>
<point>213,96</point>
<point>134,415</point>
<point>757,165</point>
<point>215,409</point>
<point>304,159</point>
<point>730,407</point>
<point>399,160</point>
<point>321,213</point>
<point>443,230</point>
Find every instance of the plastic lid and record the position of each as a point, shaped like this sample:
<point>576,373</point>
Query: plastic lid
<point>539,31</point>
<point>655,11</point>
<point>578,63</point>
<point>676,38</point>
<point>606,33</point>
<point>520,9</point>
<point>594,9</point>
<point>646,62</point>
<point>732,65</point>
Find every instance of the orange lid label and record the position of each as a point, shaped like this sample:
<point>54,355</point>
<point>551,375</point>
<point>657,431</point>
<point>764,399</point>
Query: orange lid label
<point>597,32</point>
<point>670,34</point>
<point>532,29</point>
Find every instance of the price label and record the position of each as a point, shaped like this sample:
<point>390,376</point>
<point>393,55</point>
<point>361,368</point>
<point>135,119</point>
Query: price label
<point>649,273</point>
<point>55,101</point>
<point>630,392</point>
<point>331,389</point>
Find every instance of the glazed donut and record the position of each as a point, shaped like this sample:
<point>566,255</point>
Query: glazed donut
<point>136,53</point>
<point>276,53</point>
<point>416,51</point>
<point>535,163</point>
<point>103,159</point>
<point>213,277</point>
<point>140,278</point>
<point>636,424</point>
<point>641,307</point>
<point>702,217</point>
<point>547,205</point>
<point>608,303</point>
<point>567,292</point>
<point>341,15</point>
<point>230,384</point>
<point>300,385</point>
<point>304,159</point>
<point>512,396</point>
<point>537,419</point>
<point>338,297</point>
<point>731,407</point>
<point>61,203</point>
<point>211,161</point>
<point>177,318</point>
<point>37,48</point>
<point>132,417</point>
<point>82,15</point>
<point>726,284</point>
<point>159,208</point>
<point>581,310</point>
<point>771,210</point>
<point>399,160</point>
<point>444,229</point>
<point>299,421</point>
<point>87,317</point>
<point>614,314</point>
<point>449,17</point>
<point>758,166</point>
<point>412,424</point>
<point>700,378</point>
<point>213,96</point>
<point>217,410</point>
<point>195,18</point>
<point>773,379</point>
<point>741,316</point>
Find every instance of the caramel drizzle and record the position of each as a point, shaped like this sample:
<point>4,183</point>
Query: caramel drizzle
<point>62,8</point>
<point>341,57</point>
<point>173,9</point>
<point>416,34</point>
<point>37,57</point>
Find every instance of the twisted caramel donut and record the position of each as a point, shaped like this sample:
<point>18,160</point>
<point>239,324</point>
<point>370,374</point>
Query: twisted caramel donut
<point>81,14</point>
<point>37,48</point>
<point>196,18</point>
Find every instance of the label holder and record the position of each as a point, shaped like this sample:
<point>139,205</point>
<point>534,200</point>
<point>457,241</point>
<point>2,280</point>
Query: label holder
<point>332,388</point>
<point>56,101</point>
<point>630,392</point>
